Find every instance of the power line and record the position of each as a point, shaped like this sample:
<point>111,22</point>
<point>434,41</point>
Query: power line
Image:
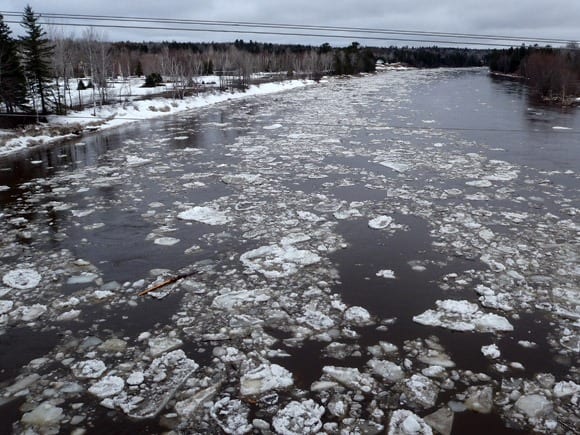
<point>274,26</point>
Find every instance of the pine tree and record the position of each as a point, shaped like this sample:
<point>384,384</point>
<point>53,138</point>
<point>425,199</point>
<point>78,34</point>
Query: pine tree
<point>36,51</point>
<point>12,80</point>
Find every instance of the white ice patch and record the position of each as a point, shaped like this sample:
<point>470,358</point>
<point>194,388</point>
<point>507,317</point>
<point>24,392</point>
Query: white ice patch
<point>133,161</point>
<point>350,377</point>
<point>298,418</point>
<point>243,179</point>
<point>566,388</point>
<point>44,415</point>
<point>89,369</point>
<point>277,261</point>
<point>4,188</point>
<point>83,278</point>
<point>462,316</point>
<point>160,345</point>
<point>108,386</point>
<point>32,312</point>
<point>206,215</point>
<point>5,306</point>
<point>380,222</point>
<point>405,422</point>
<point>479,183</point>
<point>386,273</point>
<point>22,279</point>
<point>272,127</point>
<point>395,166</point>
<point>166,241</point>
<point>358,316</point>
<point>491,351</point>
<point>264,378</point>
<point>389,371</point>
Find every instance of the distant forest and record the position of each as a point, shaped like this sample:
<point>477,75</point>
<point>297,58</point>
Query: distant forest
<point>35,68</point>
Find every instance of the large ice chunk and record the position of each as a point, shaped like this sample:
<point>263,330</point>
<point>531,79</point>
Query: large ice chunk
<point>462,316</point>
<point>278,261</point>
<point>298,418</point>
<point>405,422</point>
<point>206,215</point>
<point>22,279</point>
<point>264,378</point>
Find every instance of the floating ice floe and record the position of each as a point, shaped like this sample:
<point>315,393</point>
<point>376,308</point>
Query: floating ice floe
<point>22,279</point>
<point>89,369</point>
<point>4,188</point>
<point>272,127</point>
<point>350,377</point>
<point>44,416</point>
<point>83,278</point>
<point>299,418</point>
<point>419,392</point>
<point>358,316</point>
<point>232,416</point>
<point>5,306</point>
<point>32,312</point>
<point>491,351</point>
<point>160,345</point>
<point>166,241</point>
<point>242,179</point>
<point>108,386</point>
<point>534,405</point>
<point>380,222</point>
<point>404,422</point>
<point>479,183</point>
<point>395,166</point>
<point>206,215</point>
<point>387,370</point>
<point>386,273</point>
<point>133,161</point>
<point>462,316</point>
<point>264,378</point>
<point>278,261</point>
<point>566,388</point>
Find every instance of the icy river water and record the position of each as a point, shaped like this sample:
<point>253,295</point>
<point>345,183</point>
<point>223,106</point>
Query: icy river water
<point>393,253</point>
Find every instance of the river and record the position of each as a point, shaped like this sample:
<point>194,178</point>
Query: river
<point>363,253</point>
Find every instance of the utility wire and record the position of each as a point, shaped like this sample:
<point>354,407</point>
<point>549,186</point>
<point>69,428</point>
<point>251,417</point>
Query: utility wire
<point>274,26</point>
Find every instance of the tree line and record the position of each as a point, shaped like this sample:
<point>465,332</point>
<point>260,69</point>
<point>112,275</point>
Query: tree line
<point>552,73</point>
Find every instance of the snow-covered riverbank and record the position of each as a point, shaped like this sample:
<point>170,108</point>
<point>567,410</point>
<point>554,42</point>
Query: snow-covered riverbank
<point>101,118</point>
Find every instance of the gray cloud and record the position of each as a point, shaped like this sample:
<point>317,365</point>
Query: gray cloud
<point>533,18</point>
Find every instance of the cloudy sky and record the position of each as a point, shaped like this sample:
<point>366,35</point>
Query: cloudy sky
<point>553,19</point>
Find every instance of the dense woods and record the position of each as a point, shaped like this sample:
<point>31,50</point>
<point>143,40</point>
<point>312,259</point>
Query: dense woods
<point>40,70</point>
<point>553,74</point>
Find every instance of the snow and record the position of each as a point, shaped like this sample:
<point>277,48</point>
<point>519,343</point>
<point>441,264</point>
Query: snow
<point>298,418</point>
<point>22,279</point>
<point>125,113</point>
<point>206,215</point>
<point>463,316</point>
<point>264,378</point>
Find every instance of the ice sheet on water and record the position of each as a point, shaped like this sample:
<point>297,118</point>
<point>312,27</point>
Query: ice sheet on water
<point>395,165</point>
<point>107,387</point>
<point>264,378</point>
<point>298,418</point>
<point>89,369</point>
<point>463,316</point>
<point>278,261</point>
<point>44,416</point>
<point>491,351</point>
<point>404,422</point>
<point>232,416</point>
<point>380,222</point>
<point>206,215</point>
<point>386,273</point>
<point>133,161</point>
<point>22,279</point>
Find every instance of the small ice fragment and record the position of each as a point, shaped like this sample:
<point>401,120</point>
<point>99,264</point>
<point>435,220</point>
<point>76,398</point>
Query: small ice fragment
<point>357,316</point>
<point>404,422</point>
<point>380,222</point>
<point>166,241</point>
<point>479,183</point>
<point>299,418</point>
<point>272,127</point>
<point>89,369</point>
<point>491,351</point>
<point>386,273</point>
<point>264,378</point>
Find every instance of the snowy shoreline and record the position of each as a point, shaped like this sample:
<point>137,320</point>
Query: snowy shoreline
<point>62,128</point>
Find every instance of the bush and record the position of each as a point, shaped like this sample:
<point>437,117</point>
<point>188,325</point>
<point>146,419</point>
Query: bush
<point>152,80</point>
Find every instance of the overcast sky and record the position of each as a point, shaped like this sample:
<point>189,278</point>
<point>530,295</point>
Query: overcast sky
<point>555,19</point>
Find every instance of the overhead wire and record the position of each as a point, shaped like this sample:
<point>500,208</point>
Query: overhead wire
<point>235,26</point>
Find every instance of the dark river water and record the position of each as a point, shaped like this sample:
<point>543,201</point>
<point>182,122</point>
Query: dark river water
<point>321,145</point>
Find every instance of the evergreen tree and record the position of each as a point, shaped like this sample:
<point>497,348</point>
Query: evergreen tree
<point>12,80</point>
<point>36,51</point>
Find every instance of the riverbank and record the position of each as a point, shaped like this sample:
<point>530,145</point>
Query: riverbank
<point>75,124</point>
